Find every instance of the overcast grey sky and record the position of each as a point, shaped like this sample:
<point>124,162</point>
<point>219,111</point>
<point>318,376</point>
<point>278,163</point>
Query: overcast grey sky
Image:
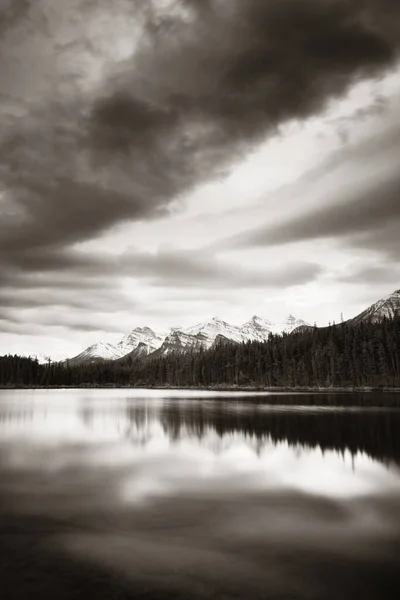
<point>165,161</point>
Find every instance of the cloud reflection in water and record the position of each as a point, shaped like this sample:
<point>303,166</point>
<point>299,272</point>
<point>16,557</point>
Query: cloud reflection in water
<point>198,494</point>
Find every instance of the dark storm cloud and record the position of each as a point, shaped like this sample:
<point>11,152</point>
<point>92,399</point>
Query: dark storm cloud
<point>239,71</point>
<point>199,91</point>
<point>50,280</point>
<point>47,261</point>
<point>12,11</point>
<point>57,274</point>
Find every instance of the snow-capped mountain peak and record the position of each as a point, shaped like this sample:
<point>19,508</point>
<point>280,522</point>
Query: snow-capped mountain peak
<point>96,352</point>
<point>209,330</point>
<point>214,323</point>
<point>140,336</point>
<point>200,336</point>
<point>256,329</point>
<point>258,322</point>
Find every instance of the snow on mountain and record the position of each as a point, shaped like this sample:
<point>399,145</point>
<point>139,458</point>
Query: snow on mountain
<point>209,330</point>
<point>205,334</point>
<point>143,341</point>
<point>97,352</point>
<point>106,351</point>
<point>179,341</point>
<point>288,325</point>
<point>138,336</point>
<point>141,351</point>
<point>256,329</point>
<point>201,335</point>
<point>386,307</point>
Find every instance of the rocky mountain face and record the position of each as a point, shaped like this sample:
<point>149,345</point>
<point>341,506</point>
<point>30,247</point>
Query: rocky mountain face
<point>143,336</point>
<point>385,307</point>
<point>141,351</point>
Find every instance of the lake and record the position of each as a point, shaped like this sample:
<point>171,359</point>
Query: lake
<point>121,494</point>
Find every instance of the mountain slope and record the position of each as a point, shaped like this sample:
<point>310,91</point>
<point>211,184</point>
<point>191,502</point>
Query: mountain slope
<point>99,352</point>
<point>103,351</point>
<point>387,307</point>
<point>137,337</point>
<point>141,351</point>
<point>257,329</point>
<point>209,330</point>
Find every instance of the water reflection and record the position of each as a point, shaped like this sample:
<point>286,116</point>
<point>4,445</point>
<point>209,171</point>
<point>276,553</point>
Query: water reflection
<point>224,497</point>
<point>373,431</point>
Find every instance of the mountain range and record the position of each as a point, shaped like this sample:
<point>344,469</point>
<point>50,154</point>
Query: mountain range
<point>143,341</point>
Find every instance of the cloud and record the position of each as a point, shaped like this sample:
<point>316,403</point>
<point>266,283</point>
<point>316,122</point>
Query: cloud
<point>372,275</point>
<point>196,269</point>
<point>352,198</point>
<point>97,277</point>
<point>384,239</point>
<point>348,218</point>
<point>85,291</point>
<point>92,300</point>
<point>11,324</point>
<point>204,83</point>
<point>12,11</point>
<point>113,111</point>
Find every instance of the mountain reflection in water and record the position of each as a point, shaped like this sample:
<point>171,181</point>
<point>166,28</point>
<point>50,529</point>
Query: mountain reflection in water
<point>128,494</point>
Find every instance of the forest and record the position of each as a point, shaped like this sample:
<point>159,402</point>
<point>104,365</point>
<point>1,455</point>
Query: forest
<point>341,355</point>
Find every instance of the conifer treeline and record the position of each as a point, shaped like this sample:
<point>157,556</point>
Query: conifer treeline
<point>335,356</point>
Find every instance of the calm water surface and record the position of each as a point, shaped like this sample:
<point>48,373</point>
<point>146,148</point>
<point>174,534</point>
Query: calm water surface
<point>148,494</point>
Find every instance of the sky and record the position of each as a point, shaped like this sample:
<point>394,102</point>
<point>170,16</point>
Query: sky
<point>166,161</point>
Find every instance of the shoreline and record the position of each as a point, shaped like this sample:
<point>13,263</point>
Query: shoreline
<point>217,388</point>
